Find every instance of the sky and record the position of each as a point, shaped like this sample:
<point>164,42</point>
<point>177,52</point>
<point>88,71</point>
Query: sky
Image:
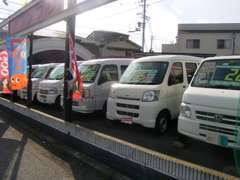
<point>164,16</point>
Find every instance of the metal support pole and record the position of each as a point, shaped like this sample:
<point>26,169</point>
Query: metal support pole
<point>29,86</point>
<point>14,96</point>
<point>67,91</point>
<point>143,24</point>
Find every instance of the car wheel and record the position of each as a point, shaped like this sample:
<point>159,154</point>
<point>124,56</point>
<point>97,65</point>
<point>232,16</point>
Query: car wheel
<point>57,103</point>
<point>162,122</point>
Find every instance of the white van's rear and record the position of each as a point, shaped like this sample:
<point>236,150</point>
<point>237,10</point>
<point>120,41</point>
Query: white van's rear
<point>210,109</point>
<point>150,91</point>
<point>98,75</point>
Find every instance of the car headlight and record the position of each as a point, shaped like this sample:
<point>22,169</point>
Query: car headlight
<point>53,91</point>
<point>150,96</point>
<point>185,110</point>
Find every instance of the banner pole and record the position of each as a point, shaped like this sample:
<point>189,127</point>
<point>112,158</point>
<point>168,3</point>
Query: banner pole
<point>29,85</point>
<point>67,99</point>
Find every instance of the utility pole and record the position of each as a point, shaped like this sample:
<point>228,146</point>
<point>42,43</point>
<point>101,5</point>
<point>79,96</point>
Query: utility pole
<point>144,24</point>
<point>67,92</point>
<point>151,49</point>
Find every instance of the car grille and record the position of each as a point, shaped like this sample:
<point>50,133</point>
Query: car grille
<point>222,130</point>
<point>128,113</point>
<point>43,91</point>
<point>128,98</point>
<point>219,118</point>
<point>129,106</point>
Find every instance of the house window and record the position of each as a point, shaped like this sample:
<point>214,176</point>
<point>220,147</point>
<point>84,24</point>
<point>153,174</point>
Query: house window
<point>224,43</point>
<point>193,43</point>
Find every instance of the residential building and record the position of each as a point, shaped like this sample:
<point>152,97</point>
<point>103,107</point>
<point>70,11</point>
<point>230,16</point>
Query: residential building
<point>206,40</point>
<point>114,44</point>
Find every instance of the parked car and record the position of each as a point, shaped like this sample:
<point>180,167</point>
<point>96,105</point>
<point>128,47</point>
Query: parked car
<point>98,76</point>
<point>150,91</point>
<point>39,73</point>
<point>211,104</point>
<point>50,90</point>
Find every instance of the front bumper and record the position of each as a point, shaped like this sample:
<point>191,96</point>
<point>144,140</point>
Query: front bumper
<point>23,94</point>
<point>47,98</point>
<point>143,113</point>
<point>84,105</point>
<point>209,132</point>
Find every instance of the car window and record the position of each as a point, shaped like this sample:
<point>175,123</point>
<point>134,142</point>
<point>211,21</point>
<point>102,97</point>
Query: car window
<point>190,69</point>
<point>109,73</point>
<point>145,73</point>
<point>123,68</point>
<point>176,74</point>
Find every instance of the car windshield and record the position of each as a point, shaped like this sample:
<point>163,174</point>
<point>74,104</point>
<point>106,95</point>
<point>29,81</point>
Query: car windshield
<point>39,72</point>
<point>144,73</point>
<point>57,73</point>
<point>220,74</point>
<point>89,72</point>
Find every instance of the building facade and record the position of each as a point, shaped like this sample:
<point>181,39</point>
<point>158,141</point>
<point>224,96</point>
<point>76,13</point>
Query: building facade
<point>206,40</point>
<point>114,44</point>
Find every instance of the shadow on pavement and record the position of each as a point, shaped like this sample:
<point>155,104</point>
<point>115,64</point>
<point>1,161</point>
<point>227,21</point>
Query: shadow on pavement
<point>11,152</point>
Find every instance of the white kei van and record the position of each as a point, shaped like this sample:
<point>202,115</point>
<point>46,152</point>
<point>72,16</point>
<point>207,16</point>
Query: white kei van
<point>34,67</point>
<point>98,76</point>
<point>210,109</point>
<point>51,89</point>
<point>150,91</point>
<point>40,72</point>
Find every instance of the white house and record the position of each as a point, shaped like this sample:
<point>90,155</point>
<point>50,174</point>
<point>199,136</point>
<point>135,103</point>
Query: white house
<point>206,40</point>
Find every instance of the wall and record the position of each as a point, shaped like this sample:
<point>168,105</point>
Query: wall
<point>208,43</point>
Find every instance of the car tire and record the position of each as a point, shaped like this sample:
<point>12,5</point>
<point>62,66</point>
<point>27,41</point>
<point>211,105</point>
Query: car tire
<point>162,122</point>
<point>58,102</point>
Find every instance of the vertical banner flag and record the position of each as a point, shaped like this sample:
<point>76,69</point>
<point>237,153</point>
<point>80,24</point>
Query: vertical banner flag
<point>17,61</point>
<point>77,80</point>
<point>4,73</point>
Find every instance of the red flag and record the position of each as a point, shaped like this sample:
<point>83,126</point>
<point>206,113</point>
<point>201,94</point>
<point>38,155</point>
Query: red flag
<point>4,73</point>
<point>77,80</point>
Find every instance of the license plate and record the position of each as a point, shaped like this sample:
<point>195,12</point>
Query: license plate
<point>127,120</point>
<point>212,138</point>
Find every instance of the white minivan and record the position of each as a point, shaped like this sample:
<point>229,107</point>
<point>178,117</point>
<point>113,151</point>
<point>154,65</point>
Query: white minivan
<point>98,75</point>
<point>150,91</point>
<point>210,109</point>
<point>40,72</point>
<point>51,89</point>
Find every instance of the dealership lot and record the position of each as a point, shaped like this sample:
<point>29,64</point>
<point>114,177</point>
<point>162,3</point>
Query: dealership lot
<point>197,152</point>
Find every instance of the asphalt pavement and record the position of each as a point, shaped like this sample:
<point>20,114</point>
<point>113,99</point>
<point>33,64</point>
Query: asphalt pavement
<point>25,157</point>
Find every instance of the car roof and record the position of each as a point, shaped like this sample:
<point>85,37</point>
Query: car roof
<point>48,65</point>
<point>110,61</point>
<point>159,58</point>
<point>221,58</point>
